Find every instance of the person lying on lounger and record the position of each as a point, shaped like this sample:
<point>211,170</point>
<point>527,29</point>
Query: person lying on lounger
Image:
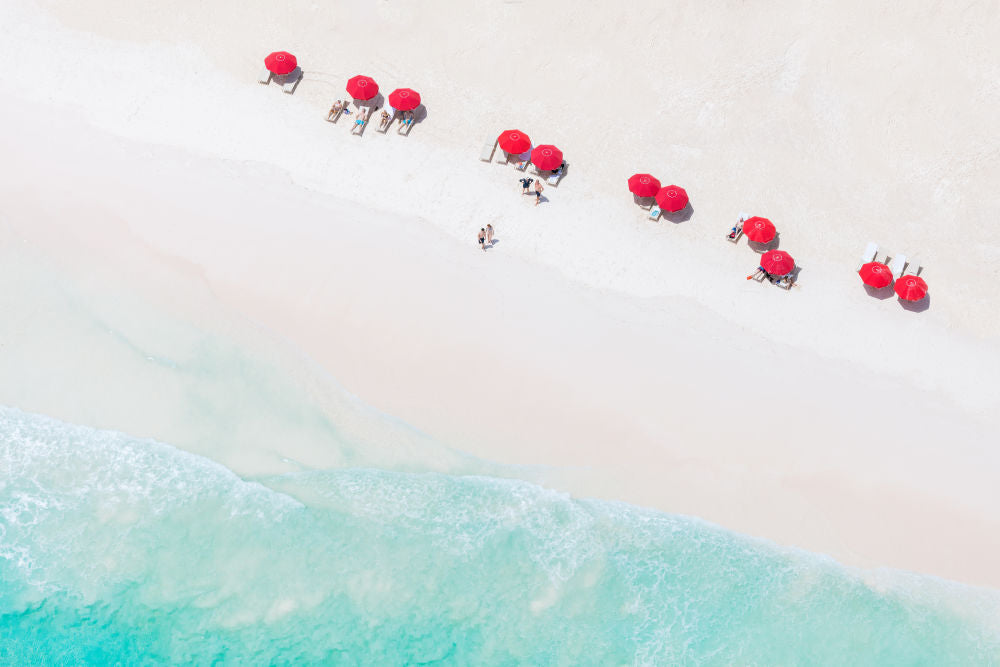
<point>734,231</point>
<point>761,272</point>
<point>407,117</point>
<point>385,119</point>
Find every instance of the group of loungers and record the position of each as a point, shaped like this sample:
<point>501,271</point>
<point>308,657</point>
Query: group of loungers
<point>364,115</point>
<point>521,162</point>
<point>899,264</point>
<point>288,82</point>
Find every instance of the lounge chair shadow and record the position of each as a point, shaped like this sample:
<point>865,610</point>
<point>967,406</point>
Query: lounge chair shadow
<point>761,248</point>
<point>644,202</point>
<point>682,215</point>
<point>916,306</point>
<point>880,293</point>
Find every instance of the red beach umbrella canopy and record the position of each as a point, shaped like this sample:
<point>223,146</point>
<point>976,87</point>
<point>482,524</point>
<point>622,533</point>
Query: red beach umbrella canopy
<point>362,87</point>
<point>404,99</point>
<point>777,262</point>
<point>280,62</point>
<point>911,288</point>
<point>672,198</point>
<point>546,157</point>
<point>875,274</point>
<point>760,230</point>
<point>643,185</point>
<point>514,141</point>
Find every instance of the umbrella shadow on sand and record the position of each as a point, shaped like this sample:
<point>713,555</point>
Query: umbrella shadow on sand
<point>644,202</point>
<point>880,293</point>
<point>373,104</point>
<point>761,248</point>
<point>682,215</point>
<point>916,306</point>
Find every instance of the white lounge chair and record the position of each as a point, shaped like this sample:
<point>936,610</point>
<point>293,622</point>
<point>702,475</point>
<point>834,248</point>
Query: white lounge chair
<point>556,177</point>
<point>383,129</point>
<point>737,231</point>
<point>293,80</point>
<point>913,268</point>
<point>486,155</point>
<point>264,77</point>
<point>868,255</point>
<point>504,157</point>
<point>404,128</point>
<point>334,116</point>
<point>896,266</point>
<point>360,129</point>
<point>654,213</point>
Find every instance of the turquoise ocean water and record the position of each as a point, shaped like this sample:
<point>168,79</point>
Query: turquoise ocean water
<point>115,550</point>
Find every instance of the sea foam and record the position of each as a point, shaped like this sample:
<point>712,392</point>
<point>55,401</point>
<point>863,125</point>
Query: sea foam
<point>120,550</point>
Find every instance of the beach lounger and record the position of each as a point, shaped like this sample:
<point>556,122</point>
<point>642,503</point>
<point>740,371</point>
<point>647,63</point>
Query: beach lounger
<point>360,129</point>
<point>913,268</point>
<point>555,178</point>
<point>504,157</point>
<point>896,266</point>
<point>404,128</point>
<point>388,124</point>
<point>264,77</point>
<point>292,81</point>
<point>868,255</point>
<point>734,236</point>
<point>654,213</point>
<point>334,117</point>
<point>486,155</point>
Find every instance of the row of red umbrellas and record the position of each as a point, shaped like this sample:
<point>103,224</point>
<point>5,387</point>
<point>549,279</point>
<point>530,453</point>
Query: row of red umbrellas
<point>671,198</point>
<point>878,275</point>
<point>359,87</point>
<point>362,87</point>
<point>544,157</point>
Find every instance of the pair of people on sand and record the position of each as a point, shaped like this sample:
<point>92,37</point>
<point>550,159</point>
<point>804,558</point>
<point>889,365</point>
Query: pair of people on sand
<point>407,118</point>
<point>780,281</point>
<point>526,183</point>
<point>485,237</point>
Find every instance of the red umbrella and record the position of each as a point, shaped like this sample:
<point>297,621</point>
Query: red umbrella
<point>777,262</point>
<point>911,288</point>
<point>643,185</point>
<point>875,274</point>
<point>280,62</point>
<point>514,141</point>
<point>546,157</point>
<point>404,99</point>
<point>760,230</point>
<point>672,198</point>
<point>362,87</point>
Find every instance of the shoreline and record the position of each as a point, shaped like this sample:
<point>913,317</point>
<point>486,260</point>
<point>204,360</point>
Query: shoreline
<point>583,381</point>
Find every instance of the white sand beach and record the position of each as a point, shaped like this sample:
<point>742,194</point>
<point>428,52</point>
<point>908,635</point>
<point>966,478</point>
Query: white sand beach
<point>610,355</point>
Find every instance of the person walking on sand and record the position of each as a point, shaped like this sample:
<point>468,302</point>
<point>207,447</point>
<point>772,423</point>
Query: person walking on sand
<point>489,234</point>
<point>538,192</point>
<point>525,184</point>
<point>482,238</point>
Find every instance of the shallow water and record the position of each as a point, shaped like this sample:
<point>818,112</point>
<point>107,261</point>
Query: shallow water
<point>119,550</point>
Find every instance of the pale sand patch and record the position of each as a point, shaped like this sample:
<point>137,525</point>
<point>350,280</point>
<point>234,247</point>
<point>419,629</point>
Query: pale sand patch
<point>838,125</point>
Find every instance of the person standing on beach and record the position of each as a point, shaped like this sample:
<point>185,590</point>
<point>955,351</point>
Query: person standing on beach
<point>489,234</point>
<point>538,192</point>
<point>525,184</point>
<point>482,238</point>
